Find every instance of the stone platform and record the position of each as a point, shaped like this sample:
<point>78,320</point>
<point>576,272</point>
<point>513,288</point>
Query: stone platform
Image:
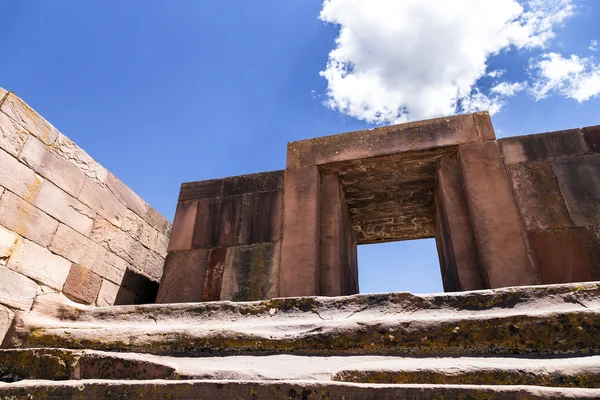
<point>522,342</point>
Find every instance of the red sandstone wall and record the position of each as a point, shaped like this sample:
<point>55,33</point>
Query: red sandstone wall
<point>555,181</point>
<point>226,239</point>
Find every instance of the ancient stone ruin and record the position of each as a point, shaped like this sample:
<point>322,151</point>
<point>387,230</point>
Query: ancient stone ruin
<point>258,294</point>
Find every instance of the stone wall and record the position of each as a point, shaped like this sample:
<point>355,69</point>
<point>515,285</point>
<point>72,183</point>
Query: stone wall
<point>555,181</point>
<point>226,240</point>
<point>66,223</point>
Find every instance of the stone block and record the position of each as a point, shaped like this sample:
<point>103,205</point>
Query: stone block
<point>6,319</point>
<point>108,294</point>
<point>26,220</point>
<point>484,126</point>
<point>3,94</point>
<point>12,135</point>
<point>118,242</point>
<point>77,248</point>
<point>300,252</point>
<point>454,232</point>
<point>266,214</point>
<point>579,182</point>
<point>124,297</point>
<point>201,190</point>
<point>183,226</point>
<point>252,183</point>
<point>411,136</point>
<point>183,277</point>
<point>82,285</point>
<point>214,274</point>
<point>79,158</point>
<point>153,265</point>
<point>157,220</point>
<point>126,195</point>
<point>542,146</point>
<point>140,230</point>
<point>103,202</point>
<point>591,134</point>
<point>17,178</point>
<point>43,160</point>
<point>564,256</point>
<point>162,243</point>
<point>251,272</point>
<point>538,197</point>
<point>25,116</point>
<point>207,223</point>
<point>64,208</point>
<point>8,241</point>
<point>494,217</point>
<point>16,290</point>
<point>39,264</point>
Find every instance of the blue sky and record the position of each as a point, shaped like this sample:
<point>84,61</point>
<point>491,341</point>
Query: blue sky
<point>164,92</point>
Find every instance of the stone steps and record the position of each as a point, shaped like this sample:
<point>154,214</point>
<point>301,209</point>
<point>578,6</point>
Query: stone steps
<point>288,390</point>
<point>525,342</point>
<point>62,364</point>
<point>559,319</point>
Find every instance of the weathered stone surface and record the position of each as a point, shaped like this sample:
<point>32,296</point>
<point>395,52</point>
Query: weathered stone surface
<point>299,268</point>
<point>484,126</point>
<point>16,291</point>
<point>206,225</point>
<point>60,364</point>
<point>153,265</point>
<point>183,277</point>
<point>162,244</point>
<point>338,243</point>
<point>494,217</point>
<point>17,178</point>
<point>43,160</point>
<point>564,255</point>
<point>6,319</point>
<point>538,197</point>
<point>573,372</point>
<point>281,389</point>
<point>82,285</point>
<point>457,249</point>
<point>579,181</point>
<point>156,219</point>
<point>65,208</point>
<point>140,230</point>
<point>201,190</point>
<point>25,219</point>
<point>103,202</point>
<point>412,136</point>
<point>12,135</point>
<point>108,294</point>
<point>76,156</point>
<point>81,250</point>
<point>253,183</point>
<point>214,274</point>
<point>39,264</point>
<point>543,146</point>
<point>20,112</point>
<point>8,240</point>
<point>591,135</point>
<point>118,242</point>
<point>183,226</point>
<point>251,272</point>
<point>126,195</point>
<point>558,319</point>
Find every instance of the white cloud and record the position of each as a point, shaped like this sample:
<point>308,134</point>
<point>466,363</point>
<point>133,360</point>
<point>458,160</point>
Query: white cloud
<point>497,73</point>
<point>412,59</point>
<point>508,89</point>
<point>593,45</point>
<point>574,77</point>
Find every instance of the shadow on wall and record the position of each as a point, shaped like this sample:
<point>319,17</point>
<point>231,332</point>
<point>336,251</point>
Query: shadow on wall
<point>136,289</point>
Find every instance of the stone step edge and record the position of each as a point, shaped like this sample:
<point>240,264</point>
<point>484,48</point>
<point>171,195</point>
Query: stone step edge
<point>214,390</point>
